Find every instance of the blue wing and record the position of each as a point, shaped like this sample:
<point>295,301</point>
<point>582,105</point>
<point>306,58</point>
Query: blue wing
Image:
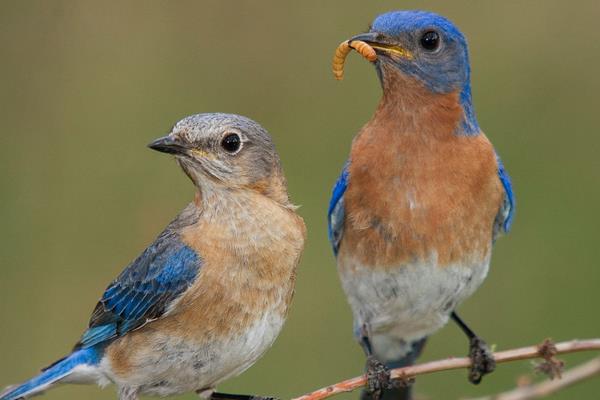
<point>504,219</point>
<point>336,212</point>
<point>144,290</point>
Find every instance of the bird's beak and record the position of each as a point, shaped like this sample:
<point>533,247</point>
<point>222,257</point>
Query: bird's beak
<point>167,144</point>
<point>382,44</point>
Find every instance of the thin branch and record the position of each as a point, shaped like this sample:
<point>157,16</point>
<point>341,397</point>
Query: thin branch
<point>572,376</point>
<point>406,373</point>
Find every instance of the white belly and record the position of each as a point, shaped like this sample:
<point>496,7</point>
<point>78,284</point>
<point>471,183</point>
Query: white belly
<point>407,303</point>
<point>174,366</point>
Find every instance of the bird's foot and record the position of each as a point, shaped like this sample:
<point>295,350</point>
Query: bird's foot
<point>378,378</point>
<point>228,396</point>
<point>482,360</point>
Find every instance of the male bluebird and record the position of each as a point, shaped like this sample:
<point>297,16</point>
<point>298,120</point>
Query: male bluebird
<point>211,294</point>
<point>420,201</point>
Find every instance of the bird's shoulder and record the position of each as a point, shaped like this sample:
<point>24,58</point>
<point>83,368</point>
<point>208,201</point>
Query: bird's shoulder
<point>250,249</point>
<point>147,287</point>
<point>336,211</point>
<point>505,216</point>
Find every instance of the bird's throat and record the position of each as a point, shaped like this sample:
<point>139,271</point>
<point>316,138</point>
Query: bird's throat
<point>410,107</point>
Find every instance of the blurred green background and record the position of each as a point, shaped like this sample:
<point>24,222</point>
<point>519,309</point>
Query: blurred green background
<point>86,85</point>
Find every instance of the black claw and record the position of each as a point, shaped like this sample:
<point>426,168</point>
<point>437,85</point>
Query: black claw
<point>378,378</point>
<point>482,359</point>
<point>228,396</point>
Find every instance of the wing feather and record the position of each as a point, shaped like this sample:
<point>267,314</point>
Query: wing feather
<point>144,290</point>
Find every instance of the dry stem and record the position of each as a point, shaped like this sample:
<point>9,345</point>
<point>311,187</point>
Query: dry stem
<point>572,376</point>
<point>546,350</point>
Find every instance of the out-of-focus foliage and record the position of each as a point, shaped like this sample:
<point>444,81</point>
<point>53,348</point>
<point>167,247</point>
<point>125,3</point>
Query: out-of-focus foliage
<point>86,85</point>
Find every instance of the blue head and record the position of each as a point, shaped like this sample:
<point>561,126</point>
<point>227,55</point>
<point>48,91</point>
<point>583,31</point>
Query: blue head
<point>428,48</point>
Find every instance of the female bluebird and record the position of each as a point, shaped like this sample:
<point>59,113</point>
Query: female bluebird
<point>211,294</point>
<point>420,201</point>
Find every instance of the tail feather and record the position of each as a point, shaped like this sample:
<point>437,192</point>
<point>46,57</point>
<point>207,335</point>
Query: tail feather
<point>51,375</point>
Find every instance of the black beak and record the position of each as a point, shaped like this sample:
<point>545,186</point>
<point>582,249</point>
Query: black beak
<point>383,45</point>
<point>167,144</point>
<point>369,37</point>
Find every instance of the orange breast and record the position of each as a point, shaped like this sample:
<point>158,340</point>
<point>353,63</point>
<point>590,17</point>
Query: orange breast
<point>417,190</point>
<point>249,269</point>
<point>249,258</point>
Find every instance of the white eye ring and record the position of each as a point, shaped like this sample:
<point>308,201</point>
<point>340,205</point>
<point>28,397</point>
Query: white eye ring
<point>232,142</point>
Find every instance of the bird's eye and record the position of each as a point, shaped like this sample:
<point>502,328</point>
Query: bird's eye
<point>430,40</point>
<point>231,143</point>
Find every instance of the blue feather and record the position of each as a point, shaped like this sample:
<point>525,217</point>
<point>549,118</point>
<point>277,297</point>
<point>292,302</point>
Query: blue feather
<point>53,374</point>
<point>336,211</point>
<point>97,334</point>
<point>448,72</point>
<point>144,290</point>
<point>507,211</point>
<point>469,125</point>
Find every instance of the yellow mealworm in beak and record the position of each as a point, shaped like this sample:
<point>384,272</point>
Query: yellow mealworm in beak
<point>364,49</point>
<point>338,59</point>
<point>344,49</point>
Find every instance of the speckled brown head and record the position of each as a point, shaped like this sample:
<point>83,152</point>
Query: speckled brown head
<point>226,150</point>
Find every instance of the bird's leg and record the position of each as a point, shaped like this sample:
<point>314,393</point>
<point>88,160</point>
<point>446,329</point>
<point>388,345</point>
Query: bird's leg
<point>128,393</point>
<point>480,354</point>
<point>227,396</point>
<point>378,375</point>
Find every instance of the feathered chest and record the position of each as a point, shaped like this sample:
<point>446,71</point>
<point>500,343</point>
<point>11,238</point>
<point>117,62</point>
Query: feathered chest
<point>250,253</point>
<point>420,196</point>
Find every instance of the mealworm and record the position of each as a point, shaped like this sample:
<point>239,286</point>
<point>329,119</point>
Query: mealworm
<point>342,51</point>
<point>364,49</point>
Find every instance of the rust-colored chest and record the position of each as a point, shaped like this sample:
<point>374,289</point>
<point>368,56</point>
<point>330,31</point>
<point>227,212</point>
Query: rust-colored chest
<point>249,269</point>
<point>249,248</point>
<point>419,193</point>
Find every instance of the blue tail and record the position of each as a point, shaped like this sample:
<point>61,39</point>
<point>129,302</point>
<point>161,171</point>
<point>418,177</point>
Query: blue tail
<point>53,374</point>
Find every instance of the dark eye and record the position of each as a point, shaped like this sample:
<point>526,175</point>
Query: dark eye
<point>430,40</point>
<point>231,142</point>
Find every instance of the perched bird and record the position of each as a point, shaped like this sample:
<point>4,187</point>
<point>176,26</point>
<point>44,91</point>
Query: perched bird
<point>420,201</point>
<point>204,301</point>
